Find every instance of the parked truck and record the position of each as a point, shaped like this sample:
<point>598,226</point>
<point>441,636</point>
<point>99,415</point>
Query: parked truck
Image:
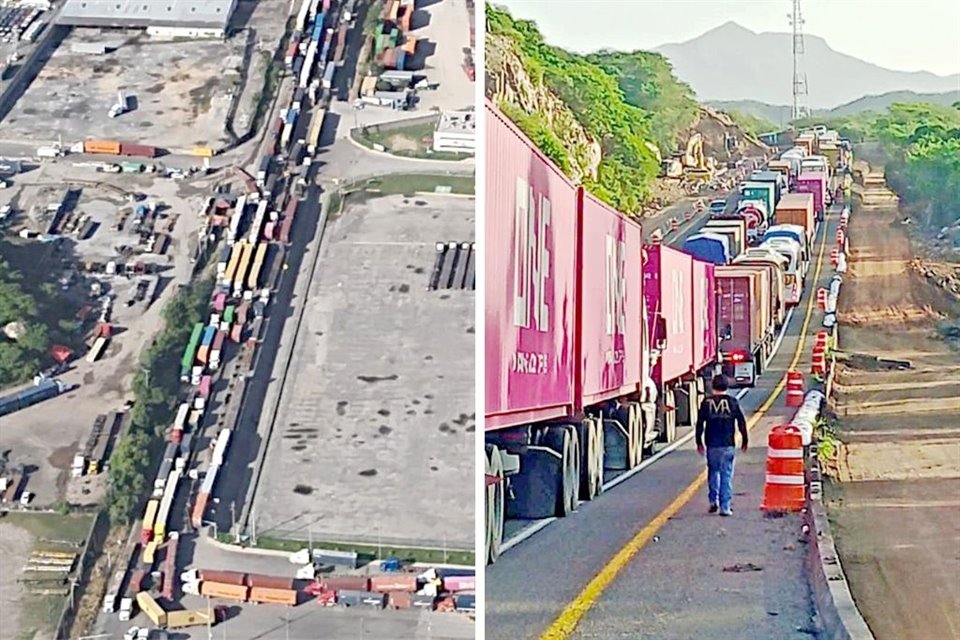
<point>765,192</point>
<point>745,323</point>
<point>42,389</point>
<point>798,209</point>
<point>572,339</point>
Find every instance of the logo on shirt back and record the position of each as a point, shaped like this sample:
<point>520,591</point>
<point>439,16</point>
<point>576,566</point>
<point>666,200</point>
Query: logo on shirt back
<point>720,406</point>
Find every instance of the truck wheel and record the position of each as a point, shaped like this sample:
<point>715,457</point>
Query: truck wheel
<point>629,417</point>
<point>591,458</point>
<point>669,432</point>
<point>563,440</point>
<point>495,493</point>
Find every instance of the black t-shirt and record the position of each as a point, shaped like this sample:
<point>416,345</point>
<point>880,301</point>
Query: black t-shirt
<point>721,415</point>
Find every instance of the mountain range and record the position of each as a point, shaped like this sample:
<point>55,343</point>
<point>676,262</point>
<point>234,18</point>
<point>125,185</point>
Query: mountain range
<point>780,114</point>
<point>732,63</point>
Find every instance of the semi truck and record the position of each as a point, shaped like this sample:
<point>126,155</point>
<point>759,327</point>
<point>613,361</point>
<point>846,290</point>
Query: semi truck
<point>798,209</point>
<point>178,619</point>
<point>765,192</point>
<point>584,366</point>
<point>42,389</point>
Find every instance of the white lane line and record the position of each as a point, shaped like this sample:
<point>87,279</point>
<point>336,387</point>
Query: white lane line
<point>524,534</point>
<point>676,444</point>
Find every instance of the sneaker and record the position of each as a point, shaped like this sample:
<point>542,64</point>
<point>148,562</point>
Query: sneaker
<point>727,512</point>
<point>714,508</point>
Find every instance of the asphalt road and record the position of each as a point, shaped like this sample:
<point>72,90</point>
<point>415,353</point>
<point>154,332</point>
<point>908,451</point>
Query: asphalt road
<point>674,587</point>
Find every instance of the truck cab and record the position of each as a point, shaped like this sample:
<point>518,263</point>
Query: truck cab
<point>794,232</point>
<point>126,609</point>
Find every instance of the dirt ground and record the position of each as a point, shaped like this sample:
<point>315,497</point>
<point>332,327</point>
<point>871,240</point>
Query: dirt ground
<point>15,544</point>
<point>895,503</point>
<point>46,436</point>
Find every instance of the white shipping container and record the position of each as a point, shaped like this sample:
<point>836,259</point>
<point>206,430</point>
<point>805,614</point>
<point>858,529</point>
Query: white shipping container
<point>220,448</point>
<point>182,412</point>
<point>210,479</point>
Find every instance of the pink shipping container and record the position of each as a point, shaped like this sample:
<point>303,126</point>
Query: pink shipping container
<point>351,583</point>
<point>204,388</point>
<point>667,288</point>
<point>220,302</point>
<point>453,584</point>
<point>218,340</point>
<point>704,319</point>
<point>236,332</point>
<point>815,183</point>
<point>268,230</point>
<point>530,298</point>
<point>610,303</point>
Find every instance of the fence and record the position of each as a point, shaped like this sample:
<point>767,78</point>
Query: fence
<point>91,550</point>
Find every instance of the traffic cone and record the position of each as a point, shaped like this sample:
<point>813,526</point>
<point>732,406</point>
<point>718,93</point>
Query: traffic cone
<point>784,488</point>
<point>821,298</point>
<point>794,388</point>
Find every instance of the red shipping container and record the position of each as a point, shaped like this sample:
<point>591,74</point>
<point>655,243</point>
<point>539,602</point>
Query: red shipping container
<point>223,577</point>
<point>268,231</point>
<point>236,332</point>
<point>350,583</point>
<point>285,226</point>
<point>138,150</point>
<point>176,435</point>
<point>269,582</point>
<point>196,516</point>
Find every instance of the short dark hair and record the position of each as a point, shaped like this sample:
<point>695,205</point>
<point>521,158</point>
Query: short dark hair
<point>720,383</point>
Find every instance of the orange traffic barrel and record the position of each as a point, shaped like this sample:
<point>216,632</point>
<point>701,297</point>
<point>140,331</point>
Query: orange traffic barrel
<point>784,488</point>
<point>818,362</point>
<point>840,236</point>
<point>821,298</point>
<point>834,256</point>
<point>674,224</point>
<point>794,388</point>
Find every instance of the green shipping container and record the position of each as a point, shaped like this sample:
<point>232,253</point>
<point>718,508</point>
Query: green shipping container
<point>762,191</point>
<point>190,353</point>
<point>228,314</point>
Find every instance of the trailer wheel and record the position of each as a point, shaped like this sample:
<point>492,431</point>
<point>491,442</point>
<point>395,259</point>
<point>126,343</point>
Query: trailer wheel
<point>629,417</point>
<point>563,439</point>
<point>495,500</point>
<point>695,393</point>
<point>590,433</point>
<point>669,418</point>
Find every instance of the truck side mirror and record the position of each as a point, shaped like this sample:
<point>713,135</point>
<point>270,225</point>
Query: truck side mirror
<point>660,333</point>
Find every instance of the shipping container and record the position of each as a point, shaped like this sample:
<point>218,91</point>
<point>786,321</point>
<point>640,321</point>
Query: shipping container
<point>106,147</point>
<point>798,209</point>
<point>393,582</point>
<point>734,229</point>
<point>189,618</point>
<point>43,390</point>
<point>459,583</point>
<point>199,508</point>
<point>615,245</point>
<point>253,279</point>
<point>190,352</point>
<point>269,582</point>
<point>273,596</point>
<point>348,583</point>
<point>816,184</point>
<point>708,247</point>
<point>741,312</point>
<point>226,591</point>
<point>203,152</point>
<point>765,192</point>
<point>149,517</point>
<point>399,600</point>
<point>138,150</point>
<point>529,351</point>
<point>153,610</point>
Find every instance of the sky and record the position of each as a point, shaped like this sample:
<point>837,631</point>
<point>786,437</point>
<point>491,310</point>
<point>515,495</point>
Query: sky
<point>904,35</point>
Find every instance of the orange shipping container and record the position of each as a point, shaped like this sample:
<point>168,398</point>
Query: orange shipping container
<point>410,46</point>
<point>196,518</point>
<point>220,590</point>
<point>400,600</point>
<point>273,596</point>
<point>109,147</point>
<point>384,584</point>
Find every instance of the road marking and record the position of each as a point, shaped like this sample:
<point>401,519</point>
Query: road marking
<point>565,624</point>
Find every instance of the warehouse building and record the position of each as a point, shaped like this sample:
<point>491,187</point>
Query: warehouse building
<point>164,18</point>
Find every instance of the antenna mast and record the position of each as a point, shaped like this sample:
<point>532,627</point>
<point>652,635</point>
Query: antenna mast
<point>799,79</point>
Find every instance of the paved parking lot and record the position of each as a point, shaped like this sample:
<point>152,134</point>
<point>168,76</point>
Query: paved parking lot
<point>374,436</point>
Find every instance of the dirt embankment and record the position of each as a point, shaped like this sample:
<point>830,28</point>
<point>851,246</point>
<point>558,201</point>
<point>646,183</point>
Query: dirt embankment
<point>896,497</point>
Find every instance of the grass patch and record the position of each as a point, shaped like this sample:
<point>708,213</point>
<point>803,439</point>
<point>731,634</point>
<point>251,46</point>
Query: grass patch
<point>40,613</point>
<point>397,184</point>
<point>367,553</point>
<point>414,141</point>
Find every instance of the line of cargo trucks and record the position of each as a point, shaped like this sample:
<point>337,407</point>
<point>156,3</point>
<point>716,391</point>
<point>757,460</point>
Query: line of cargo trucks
<point>598,346</point>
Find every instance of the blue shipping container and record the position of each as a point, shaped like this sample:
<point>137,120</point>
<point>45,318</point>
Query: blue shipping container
<point>297,65</point>
<point>208,334</point>
<point>401,59</point>
<point>22,399</point>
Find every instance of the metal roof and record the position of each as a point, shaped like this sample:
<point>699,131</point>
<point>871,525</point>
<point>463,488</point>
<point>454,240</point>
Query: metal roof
<point>147,13</point>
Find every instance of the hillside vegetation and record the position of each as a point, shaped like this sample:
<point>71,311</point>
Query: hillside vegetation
<point>610,113</point>
<point>922,144</point>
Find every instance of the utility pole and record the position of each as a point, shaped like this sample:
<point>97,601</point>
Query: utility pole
<point>799,78</point>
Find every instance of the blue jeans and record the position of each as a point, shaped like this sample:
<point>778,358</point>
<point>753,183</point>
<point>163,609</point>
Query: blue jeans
<point>720,475</point>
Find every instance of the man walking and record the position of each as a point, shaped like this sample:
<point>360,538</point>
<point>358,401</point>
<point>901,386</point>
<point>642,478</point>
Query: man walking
<point>719,413</point>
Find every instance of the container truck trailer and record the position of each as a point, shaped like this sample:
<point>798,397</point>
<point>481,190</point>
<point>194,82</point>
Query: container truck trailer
<point>745,323</point>
<point>798,209</point>
<point>43,389</point>
<point>765,192</point>
<point>815,183</point>
<point>190,352</point>
<point>570,342</point>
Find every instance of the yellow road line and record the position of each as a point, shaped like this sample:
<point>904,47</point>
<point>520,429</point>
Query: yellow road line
<point>565,624</point>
